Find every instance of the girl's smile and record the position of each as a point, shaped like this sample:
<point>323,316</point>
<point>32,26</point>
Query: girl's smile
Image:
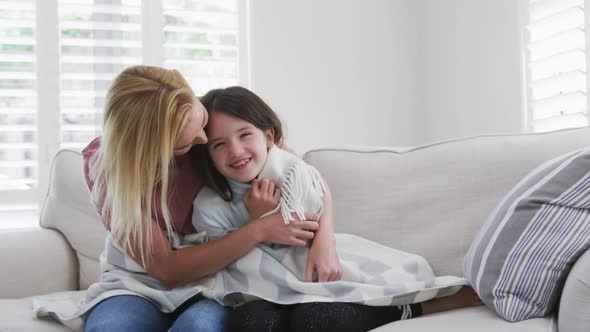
<point>241,164</point>
<point>237,148</point>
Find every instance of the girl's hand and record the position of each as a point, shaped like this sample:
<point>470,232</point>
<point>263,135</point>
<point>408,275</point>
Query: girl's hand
<point>261,198</point>
<point>297,233</point>
<point>323,259</point>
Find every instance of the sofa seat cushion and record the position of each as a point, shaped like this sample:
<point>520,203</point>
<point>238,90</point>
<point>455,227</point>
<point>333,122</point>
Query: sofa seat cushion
<point>480,319</point>
<point>16,315</point>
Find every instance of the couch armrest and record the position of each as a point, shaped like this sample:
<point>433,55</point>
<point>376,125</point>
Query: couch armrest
<point>35,261</point>
<point>574,308</point>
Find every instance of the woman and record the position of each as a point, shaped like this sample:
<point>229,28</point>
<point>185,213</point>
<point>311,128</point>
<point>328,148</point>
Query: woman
<point>143,184</point>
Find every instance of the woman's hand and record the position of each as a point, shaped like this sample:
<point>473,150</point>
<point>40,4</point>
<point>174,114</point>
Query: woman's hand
<point>296,233</point>
<point>323,259</point>
<point>261,198</point>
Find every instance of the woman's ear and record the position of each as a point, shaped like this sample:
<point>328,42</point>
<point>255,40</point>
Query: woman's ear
<point>270,137</point>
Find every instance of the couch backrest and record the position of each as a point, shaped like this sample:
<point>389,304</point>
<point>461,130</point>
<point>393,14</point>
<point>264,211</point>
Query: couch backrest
<point>68,209</point>
<point>430,200</point>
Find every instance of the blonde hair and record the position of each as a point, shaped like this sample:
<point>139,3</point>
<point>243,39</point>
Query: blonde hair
<point>146,109</point>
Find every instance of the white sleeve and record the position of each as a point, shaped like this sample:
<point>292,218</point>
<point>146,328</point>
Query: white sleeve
<point>211,214</point>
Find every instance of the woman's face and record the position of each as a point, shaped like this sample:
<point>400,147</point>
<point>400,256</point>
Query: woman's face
<point>194,131</point>
<point>237,148</point>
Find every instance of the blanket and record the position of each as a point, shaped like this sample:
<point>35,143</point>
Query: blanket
<point>373,274</point>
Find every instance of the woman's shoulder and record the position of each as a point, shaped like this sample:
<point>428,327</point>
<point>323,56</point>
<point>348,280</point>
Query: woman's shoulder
<point>91,148</point>
<point>87,154</point>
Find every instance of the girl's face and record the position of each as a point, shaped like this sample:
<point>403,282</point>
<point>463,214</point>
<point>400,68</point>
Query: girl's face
<point>238,149</point>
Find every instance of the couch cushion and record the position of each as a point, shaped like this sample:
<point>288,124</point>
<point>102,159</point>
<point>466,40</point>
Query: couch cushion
<point>520,259</point>
<point>69,209</point>
<point>432,200</point>
<point>17,316</point>
<point>480,319</point>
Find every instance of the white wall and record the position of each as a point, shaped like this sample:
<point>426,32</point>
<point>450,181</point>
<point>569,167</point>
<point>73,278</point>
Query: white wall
<point>471,69</point>
<point>387,72</point>
<point>336,71</point>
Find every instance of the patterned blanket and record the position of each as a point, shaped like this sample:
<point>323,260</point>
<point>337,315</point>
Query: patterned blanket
<point>373,274</point>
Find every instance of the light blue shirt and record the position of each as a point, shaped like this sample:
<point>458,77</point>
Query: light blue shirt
<point>217,217</point>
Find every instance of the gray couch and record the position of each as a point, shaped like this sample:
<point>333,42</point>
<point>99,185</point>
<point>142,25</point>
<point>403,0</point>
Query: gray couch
<point>430,200</point>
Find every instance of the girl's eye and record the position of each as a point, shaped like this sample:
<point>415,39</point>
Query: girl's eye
<point>244,135</point>
<point>217,145</point>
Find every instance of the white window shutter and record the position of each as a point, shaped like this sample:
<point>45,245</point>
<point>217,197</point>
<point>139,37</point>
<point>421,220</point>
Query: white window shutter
<point>556,59</point>
<point>201,41</point>
<point>98,39</point>
<point>18,106</point>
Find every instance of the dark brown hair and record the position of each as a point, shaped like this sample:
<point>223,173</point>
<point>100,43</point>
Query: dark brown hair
<point>245,105</point>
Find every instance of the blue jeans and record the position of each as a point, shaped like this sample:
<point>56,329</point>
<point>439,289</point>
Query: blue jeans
<point>133,313</point>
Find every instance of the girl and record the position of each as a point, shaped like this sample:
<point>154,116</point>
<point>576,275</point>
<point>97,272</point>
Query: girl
<point>143,184</point>
<point>243,132</point>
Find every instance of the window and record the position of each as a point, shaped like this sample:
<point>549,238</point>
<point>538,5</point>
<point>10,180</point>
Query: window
<point>201,41</point>
<point>55,69</point>
<point>556,65</point>
<point>97,40</point>
<point>18,105</point>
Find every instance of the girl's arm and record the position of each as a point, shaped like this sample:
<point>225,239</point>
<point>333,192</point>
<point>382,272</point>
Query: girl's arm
<point>322,255</point>
<point>174,268</point>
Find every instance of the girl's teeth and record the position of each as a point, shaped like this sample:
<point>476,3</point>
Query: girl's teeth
<point>240,163</point>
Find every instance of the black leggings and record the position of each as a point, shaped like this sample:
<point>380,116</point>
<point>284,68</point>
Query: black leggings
<point>264,316</point>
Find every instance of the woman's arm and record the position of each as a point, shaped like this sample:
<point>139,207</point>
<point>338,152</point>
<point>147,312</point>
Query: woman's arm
<point>174,268</point>
<point>284,147</point>
<point>322,255</point>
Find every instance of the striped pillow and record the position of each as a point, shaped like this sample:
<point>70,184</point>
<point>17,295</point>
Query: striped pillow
<point>521,257</point>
